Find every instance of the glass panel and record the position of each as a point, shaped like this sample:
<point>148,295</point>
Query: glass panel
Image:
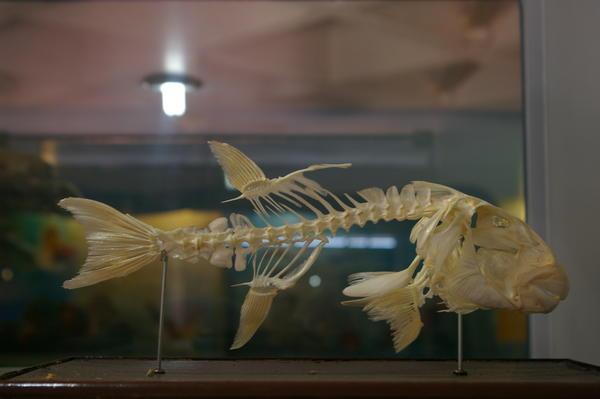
<point>406,90</point>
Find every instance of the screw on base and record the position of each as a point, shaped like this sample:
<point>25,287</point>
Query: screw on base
<point>460,372</point>
<point>152,372</point>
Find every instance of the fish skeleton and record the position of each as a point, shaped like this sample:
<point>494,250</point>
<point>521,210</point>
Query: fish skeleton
<point>469,253</point>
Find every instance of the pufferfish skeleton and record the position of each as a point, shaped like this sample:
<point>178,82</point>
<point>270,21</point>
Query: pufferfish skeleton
<point>469,253</point>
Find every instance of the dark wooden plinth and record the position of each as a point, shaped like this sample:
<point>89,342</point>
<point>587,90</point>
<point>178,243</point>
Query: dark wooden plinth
<point>126,378</point>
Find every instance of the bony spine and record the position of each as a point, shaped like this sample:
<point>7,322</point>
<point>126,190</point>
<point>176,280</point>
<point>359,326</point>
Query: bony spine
<point>218,245</point>
<point>390,206</point>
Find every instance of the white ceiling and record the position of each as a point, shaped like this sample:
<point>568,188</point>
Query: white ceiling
<point>268,67</point>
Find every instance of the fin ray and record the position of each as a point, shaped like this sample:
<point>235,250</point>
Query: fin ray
<point>255,309</point>
<point>239,169</point>
<point>118,244</point>
<point>378,283</point>
<point>251,181</point>
<point>264,287</point>
<point>400,309</point>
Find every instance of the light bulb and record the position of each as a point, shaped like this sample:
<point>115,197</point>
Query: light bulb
<point>173,98</point>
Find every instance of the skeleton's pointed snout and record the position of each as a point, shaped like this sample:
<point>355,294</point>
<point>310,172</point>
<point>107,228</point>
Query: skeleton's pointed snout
<point>556,282</point>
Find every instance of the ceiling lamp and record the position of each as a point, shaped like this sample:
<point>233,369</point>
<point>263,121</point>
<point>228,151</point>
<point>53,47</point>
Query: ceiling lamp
<point>173,88</point>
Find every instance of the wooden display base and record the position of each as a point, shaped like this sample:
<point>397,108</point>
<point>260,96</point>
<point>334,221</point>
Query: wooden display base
<point>126,378</point>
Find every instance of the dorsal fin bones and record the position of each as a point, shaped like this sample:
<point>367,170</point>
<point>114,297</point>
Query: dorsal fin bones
<point>239,169</point>
<point>253,185</point>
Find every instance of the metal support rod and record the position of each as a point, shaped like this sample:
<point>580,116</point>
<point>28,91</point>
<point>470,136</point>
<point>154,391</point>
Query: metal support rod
<point>165,262</point>
<point>459,370</point>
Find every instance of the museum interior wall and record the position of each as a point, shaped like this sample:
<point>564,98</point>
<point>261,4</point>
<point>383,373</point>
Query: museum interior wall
<point>569,98</point>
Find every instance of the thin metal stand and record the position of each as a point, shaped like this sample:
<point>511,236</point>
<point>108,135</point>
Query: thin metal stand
<point>159,370</point>
<point>459,370</point>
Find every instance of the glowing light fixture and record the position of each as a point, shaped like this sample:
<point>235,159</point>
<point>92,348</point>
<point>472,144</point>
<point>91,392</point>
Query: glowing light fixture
<point>173,89</point>
<point>173,98</point>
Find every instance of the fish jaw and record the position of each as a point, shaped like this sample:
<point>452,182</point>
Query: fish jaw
<point>541,289</point>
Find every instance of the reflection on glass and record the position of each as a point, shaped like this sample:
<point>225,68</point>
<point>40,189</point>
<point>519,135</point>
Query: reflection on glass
<point>406,90</point>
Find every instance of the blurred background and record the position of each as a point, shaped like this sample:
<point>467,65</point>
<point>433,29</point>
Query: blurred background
<point>407,90</point>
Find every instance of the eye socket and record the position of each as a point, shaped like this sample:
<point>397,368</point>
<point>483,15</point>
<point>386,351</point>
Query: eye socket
<point>500,222</point>
<point>474,220</point>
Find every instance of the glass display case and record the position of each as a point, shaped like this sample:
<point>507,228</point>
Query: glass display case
<point>404,91</point>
